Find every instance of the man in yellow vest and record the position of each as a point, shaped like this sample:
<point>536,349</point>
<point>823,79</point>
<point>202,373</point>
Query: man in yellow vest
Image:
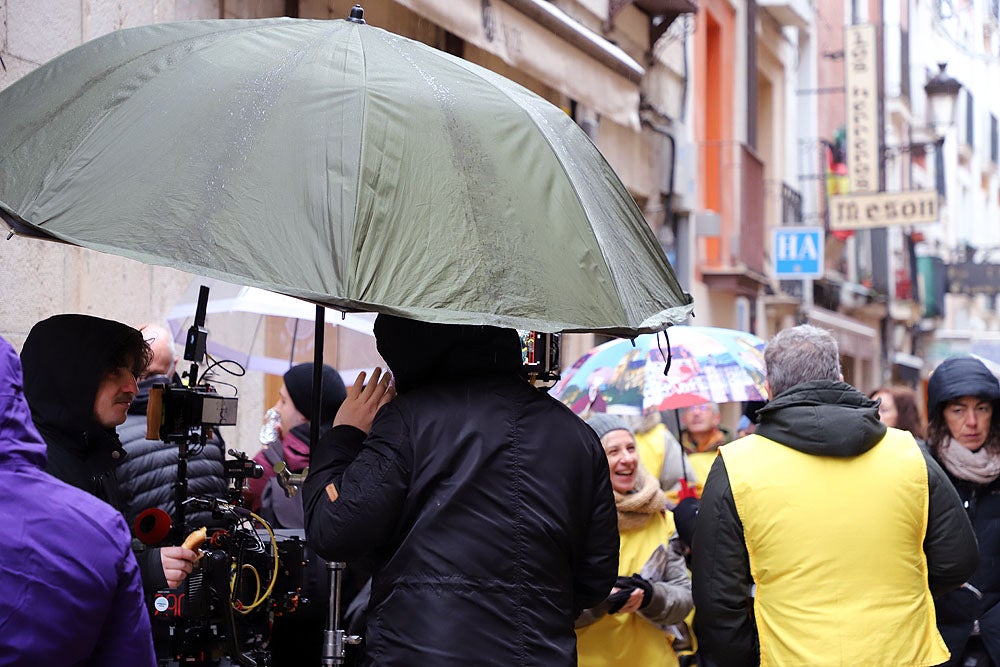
<point>822,537</point>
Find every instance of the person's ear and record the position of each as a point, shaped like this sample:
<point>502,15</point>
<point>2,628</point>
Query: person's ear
<point>767,389</point>
<point>840,378</point>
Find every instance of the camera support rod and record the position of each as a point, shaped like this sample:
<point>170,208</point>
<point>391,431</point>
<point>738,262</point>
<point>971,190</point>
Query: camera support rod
<point>334,637</point>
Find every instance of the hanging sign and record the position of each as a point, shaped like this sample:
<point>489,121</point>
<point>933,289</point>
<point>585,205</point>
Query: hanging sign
<point>798,252</point>
<point>883,209</point>
<point>861,81</point>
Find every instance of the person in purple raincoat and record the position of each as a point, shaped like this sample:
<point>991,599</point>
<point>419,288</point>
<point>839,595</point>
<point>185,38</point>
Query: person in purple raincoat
<point>70,592</point>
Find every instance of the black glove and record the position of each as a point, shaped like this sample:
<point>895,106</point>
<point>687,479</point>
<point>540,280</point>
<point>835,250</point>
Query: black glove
<point>635,581</point>
<point>618,599</point>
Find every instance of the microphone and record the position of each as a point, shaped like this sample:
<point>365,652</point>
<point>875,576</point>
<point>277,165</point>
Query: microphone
<point>152,526</point>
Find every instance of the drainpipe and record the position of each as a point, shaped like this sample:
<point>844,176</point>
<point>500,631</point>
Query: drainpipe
<point>574,32</point>
<point>682,263</point>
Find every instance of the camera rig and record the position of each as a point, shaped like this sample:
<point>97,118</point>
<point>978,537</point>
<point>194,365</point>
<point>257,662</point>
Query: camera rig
<point>222,613</point>
<point>186,414</point>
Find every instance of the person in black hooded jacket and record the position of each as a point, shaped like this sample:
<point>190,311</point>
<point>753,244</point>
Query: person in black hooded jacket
<point>80,379</point>
<point>963,434</point>
<point>484,504</point>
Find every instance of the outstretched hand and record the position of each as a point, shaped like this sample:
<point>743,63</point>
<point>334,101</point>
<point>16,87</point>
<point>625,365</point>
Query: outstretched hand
<point>364,400</point>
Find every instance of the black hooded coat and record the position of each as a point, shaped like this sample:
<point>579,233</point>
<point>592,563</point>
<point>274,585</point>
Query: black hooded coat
<point>484,504</point>
<point>975,608</point>
<point>64,360</point>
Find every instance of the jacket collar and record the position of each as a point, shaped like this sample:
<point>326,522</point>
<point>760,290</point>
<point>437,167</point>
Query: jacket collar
<point>823,418</point>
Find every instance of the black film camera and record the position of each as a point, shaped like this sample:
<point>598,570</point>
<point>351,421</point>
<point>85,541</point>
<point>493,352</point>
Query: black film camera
<point>221,614</point>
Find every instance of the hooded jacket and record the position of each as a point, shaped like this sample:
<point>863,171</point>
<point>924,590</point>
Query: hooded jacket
<point>64,358</point>
<point>825,419</point>
<point>147,475</point>
<point>69,585</point>
<point>975,607</point>
<point>485,505</point>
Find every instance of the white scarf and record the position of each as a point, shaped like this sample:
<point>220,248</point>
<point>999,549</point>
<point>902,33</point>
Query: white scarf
<point>981,466</point>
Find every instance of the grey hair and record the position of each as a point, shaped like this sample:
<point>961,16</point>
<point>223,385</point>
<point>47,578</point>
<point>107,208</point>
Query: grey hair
<point>800,354</point>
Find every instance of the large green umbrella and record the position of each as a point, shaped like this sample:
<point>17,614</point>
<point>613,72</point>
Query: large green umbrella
<point>334,162</point>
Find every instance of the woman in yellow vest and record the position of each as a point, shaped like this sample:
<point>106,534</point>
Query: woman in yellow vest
<point>631,627</point>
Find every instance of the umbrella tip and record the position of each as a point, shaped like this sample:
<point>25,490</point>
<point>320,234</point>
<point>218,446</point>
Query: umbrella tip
<point>357,14</point>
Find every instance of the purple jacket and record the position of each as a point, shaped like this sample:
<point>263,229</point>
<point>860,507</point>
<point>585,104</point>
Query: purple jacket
<point>70,592</point>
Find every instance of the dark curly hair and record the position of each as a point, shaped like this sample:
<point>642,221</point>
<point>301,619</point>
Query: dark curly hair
<point>908,416</point>
<point>134,353</point>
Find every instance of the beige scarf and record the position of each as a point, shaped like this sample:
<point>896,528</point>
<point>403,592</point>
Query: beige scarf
<point>981,466</point>
<point>635,509</point>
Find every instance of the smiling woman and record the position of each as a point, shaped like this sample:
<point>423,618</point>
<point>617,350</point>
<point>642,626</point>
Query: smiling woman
<point>964,437</point>
<point>653,581</point>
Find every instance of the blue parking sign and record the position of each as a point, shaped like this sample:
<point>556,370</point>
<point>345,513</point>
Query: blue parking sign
<point>798,252</point>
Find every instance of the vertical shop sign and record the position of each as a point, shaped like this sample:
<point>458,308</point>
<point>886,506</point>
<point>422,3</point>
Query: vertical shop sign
<point>861,80</point>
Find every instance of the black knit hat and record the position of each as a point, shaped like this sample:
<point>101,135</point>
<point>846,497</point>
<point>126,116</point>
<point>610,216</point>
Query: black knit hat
<point>960,376</point>
<point>299,382</point>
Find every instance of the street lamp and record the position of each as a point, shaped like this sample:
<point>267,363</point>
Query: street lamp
<point>942,94</point>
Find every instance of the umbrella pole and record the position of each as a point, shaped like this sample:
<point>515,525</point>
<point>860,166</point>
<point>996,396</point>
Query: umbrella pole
<point>669,357</point>
<point>684,472</point>
<point>317,388</point>
<point>334,637</point>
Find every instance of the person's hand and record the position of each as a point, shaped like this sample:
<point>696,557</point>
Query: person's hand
<point>364,400</point>
<point>633,603</point>
<point>620,595</point>
<point>177,564</point>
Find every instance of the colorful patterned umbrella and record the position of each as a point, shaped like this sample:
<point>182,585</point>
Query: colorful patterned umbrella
<point>709,364</point>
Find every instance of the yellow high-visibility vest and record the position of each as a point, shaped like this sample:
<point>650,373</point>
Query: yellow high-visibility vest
<point>629,640</point>
<point>650,445</point>
<point>836,553</point>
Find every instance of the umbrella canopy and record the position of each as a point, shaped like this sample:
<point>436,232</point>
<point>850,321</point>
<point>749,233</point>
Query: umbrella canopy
<point>337,163</point>
<point>708,364</point>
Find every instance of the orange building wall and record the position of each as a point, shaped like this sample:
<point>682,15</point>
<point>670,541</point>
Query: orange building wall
<point>714,77</point>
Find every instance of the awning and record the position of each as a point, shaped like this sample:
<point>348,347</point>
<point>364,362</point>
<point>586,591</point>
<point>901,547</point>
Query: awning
<point>549,46</point>
<point>853,338</point>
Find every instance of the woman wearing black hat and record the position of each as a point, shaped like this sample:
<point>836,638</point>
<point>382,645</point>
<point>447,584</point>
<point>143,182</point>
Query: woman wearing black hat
<point>964,437</point>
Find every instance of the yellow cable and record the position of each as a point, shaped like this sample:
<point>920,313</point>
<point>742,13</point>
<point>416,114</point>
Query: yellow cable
<point>237,606</point>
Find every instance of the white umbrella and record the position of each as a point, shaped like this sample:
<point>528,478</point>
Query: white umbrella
<point>228,298</point>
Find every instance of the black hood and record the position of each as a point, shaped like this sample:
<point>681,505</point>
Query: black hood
<point>823,418</point>
<point>64,359</point>
<point>421,352</point>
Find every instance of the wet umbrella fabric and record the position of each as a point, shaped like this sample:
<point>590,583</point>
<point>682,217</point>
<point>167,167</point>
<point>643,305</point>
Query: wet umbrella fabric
<point>709,364</point>
<point>337,163</point>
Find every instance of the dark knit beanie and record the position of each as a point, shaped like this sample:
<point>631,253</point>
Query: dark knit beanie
<point>604,423</point>
<point>299,382</point>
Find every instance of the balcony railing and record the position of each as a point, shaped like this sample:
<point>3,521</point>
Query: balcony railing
<point>733,180</point>
<point>791,205</point>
